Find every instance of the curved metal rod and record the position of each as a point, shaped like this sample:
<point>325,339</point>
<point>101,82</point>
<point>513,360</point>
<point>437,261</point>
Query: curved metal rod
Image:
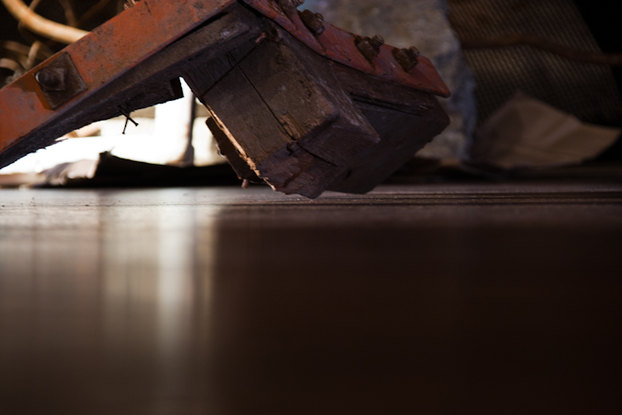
<point>41,25</point>
<point>11,65</point>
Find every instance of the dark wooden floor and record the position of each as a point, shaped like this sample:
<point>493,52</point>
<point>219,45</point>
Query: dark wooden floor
<point>438,299</point>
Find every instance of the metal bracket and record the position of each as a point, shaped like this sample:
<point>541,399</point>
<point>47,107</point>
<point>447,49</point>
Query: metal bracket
<point>312,108</point>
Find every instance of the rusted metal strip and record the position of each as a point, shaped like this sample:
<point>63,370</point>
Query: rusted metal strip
<point>110,50</point>
<point>340,46</point>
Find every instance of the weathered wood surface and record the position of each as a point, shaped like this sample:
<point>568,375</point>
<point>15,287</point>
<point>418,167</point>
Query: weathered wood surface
<point>405,119</point>
<point>304,124</point>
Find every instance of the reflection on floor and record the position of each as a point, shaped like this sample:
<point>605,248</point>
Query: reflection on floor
<point>417,299</point>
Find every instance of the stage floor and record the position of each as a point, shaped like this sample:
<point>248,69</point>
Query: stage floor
<point>430,299</point>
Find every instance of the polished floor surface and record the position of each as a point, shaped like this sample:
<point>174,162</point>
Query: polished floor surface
<point>435,299</point>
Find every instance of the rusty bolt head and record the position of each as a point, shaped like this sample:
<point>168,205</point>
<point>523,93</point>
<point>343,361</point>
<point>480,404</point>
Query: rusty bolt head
<point>370,48</point>
<point>313,21</point>
<point>407,58</point>
<point>414,51</point>
<point>376,42</point>
<point>51,79</point>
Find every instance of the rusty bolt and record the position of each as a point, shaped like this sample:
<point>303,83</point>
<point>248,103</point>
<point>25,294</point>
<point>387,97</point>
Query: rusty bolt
<point>407,58</point>
<point>376,42</point>
<point>51,79</point>
<point>313,21</point>
<point>369,47</point>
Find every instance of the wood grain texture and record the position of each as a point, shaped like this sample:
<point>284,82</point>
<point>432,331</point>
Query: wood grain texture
<point>305,124</point>
<point>436,299</point>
